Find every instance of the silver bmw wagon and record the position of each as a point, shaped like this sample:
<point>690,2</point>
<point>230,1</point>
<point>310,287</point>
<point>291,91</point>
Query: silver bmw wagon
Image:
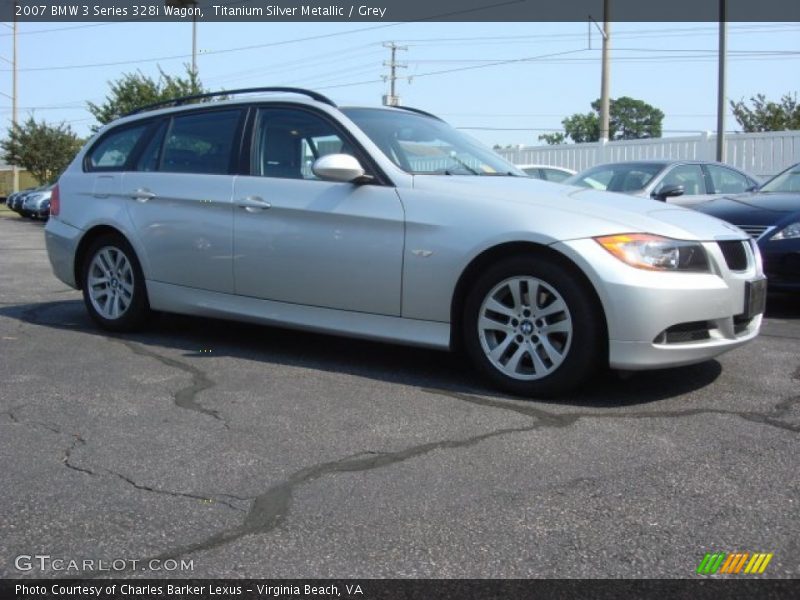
<point>388,224</point>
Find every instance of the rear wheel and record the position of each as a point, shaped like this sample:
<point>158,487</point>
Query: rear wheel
<point>113,285</point>
<point>532,328</point>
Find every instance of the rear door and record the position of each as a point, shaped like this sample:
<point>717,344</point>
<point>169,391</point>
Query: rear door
<point>102,172</point>
<point>179,197</point>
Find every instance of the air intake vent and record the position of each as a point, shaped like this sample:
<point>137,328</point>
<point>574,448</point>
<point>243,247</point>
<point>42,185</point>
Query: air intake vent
<point>696,331</point>
<point>755,231</point>
<point>735,255</point>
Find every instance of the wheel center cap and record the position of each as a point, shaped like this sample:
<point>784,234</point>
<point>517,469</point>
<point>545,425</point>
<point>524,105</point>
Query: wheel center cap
<point>113,283</point>
<point>526,327</point>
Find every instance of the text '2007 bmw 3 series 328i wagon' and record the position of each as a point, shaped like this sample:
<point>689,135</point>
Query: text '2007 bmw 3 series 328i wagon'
<point>388,224</point>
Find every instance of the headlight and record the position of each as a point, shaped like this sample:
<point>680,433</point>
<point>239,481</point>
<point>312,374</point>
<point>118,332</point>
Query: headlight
<point>656,253</point>
<point>790,232</point>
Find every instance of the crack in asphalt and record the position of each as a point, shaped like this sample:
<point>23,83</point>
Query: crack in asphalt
<point>79,441</point>
<point>271,508</point>
<point>779,410</point>
<point>186,397</point>
<point>11,414</point>
<point>147,488</point>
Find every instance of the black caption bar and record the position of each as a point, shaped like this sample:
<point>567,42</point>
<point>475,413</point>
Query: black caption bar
<point>372,589</point>
<point>394,10</point>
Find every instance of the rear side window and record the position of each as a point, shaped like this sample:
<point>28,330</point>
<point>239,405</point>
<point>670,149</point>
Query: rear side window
<point>200,143</point>
<point>114,149</point>
<point>726,181</point>
<point>688,176</point>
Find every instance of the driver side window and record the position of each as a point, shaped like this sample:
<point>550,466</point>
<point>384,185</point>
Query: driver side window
<point>689,176</point>
<point>288,141</point>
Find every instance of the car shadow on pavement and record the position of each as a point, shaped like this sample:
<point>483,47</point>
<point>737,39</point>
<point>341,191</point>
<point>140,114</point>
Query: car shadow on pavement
<point>429,369</point>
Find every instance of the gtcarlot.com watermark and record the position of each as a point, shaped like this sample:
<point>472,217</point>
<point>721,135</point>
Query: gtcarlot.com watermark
<point>45,562</point>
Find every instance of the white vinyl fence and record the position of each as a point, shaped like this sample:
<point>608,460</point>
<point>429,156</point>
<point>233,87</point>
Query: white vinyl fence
<point>761,154</point>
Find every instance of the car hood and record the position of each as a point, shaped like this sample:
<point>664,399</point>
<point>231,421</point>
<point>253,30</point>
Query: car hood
<point>589,212</point>
<point>763,208</point>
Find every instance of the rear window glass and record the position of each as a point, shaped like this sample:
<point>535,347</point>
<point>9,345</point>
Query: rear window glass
<point>200,143</point>
<point>114,149</point>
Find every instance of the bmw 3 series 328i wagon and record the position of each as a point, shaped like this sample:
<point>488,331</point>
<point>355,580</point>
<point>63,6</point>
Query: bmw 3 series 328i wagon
<point>388,224</point>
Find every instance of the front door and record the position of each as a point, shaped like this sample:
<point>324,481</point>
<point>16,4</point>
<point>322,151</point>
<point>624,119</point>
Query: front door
<point>305,241</point>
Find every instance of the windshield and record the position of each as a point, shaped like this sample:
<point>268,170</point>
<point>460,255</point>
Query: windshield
<point>621,177</point>
<point>423,145</point>
<point>788,181</point>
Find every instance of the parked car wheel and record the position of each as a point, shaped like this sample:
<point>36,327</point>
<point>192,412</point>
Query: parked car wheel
<point>531,328</point>
<point>113,285</point>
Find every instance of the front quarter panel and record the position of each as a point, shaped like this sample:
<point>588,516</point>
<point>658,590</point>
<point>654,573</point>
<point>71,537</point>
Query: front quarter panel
<point>445,232</point>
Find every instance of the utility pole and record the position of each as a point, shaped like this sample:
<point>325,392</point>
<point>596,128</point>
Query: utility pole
<point>723,33</point>
<point>605,102</point>
<point>392,99</point>
<point>192,4</point>
<point>13,97</point>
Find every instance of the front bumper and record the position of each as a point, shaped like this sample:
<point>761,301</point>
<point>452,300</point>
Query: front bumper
<point>62,243</point>
<point>658,319</point>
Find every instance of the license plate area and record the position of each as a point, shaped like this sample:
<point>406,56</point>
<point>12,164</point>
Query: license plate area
<point>755,297</point>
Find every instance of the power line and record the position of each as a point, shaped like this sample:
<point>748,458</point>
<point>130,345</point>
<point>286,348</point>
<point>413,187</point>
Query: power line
<point>682,31</point>
<point>211,52</point>
<point>469,68</point>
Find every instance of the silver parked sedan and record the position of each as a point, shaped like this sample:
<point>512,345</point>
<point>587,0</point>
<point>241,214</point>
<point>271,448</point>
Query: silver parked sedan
<point>683,182</point>
<point>388,224</point>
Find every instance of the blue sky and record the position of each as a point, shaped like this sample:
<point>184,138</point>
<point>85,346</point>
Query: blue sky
<point>670,65</point>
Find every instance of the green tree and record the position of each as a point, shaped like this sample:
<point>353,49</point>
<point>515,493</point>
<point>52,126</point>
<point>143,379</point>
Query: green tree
<point>553,139</point>
<point>582,128</point>
<point>629,119</point>
<point>44,150</point>
<point>765,115</point>
<point>134,90</point>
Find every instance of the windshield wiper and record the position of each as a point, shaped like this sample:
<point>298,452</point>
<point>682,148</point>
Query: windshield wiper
<point>463,164</point>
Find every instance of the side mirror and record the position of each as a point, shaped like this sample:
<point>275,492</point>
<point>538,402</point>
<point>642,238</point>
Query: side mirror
<point>668,191</point>
<point>338,167</point>
<point>753,188</point>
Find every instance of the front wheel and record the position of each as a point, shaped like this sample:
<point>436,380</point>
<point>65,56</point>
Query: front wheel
<point>113,285</point>
<point>532,328</point>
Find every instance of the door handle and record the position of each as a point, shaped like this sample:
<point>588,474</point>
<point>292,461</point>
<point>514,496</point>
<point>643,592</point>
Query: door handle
<point>254,203</point>
<point>142,195</point>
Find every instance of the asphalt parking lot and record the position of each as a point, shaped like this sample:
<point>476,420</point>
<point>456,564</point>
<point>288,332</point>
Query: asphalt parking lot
<point>261,452</point>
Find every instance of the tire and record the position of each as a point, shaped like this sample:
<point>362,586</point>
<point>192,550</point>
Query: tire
<point>113,285</point>
<point>540,348</point>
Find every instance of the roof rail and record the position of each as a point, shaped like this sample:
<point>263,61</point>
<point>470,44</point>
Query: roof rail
<point>184,99</point>
<point>419,111</point>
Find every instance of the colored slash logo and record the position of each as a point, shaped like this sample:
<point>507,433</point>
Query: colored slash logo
<point>732,564</point>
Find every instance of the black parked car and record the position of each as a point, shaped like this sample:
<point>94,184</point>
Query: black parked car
<point>15,200</point>
<point>771,215</point>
